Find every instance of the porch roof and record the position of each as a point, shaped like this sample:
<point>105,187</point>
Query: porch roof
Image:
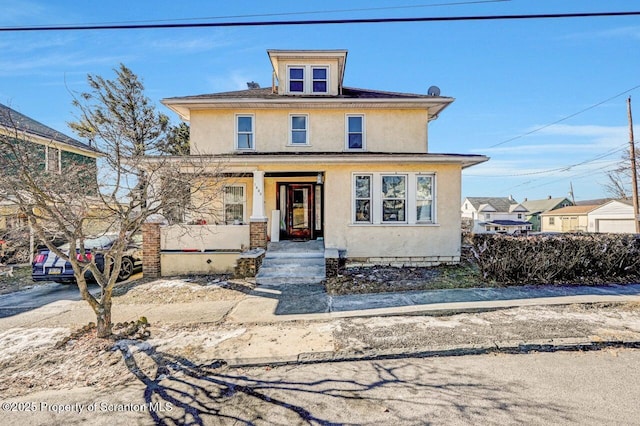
<point>258,158</point>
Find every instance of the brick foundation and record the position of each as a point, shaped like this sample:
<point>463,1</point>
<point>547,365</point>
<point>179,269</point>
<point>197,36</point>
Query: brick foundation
<point>258,234</point>
<point>249,263</point>
<point>331,262</point>
<point>151,250</point>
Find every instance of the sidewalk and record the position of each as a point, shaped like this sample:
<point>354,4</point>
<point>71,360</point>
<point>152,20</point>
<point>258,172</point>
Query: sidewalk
<point>310,302</point>
<point>274,325</point>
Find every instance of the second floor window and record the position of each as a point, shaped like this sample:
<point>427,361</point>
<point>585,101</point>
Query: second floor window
<point>299,133</point>
<point>355,132</point>
<point>244,132</point>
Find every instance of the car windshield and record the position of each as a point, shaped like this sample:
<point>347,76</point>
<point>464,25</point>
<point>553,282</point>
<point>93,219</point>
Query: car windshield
<point>104,241</point>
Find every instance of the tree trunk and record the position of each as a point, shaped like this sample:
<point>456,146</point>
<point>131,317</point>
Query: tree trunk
<point>103,317</point>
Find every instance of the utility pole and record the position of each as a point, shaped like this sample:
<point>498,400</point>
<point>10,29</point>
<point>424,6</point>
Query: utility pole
<point>634,177</point>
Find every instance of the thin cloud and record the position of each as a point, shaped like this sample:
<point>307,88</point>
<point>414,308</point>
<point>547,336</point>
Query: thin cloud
<point>13,12</point>
<point>44,64</point>
<point>188,45</point>
<point>623,33</point>
<point>235,80</point>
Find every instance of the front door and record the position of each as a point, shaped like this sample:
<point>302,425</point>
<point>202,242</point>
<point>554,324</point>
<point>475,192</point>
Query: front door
<point>299,220</point>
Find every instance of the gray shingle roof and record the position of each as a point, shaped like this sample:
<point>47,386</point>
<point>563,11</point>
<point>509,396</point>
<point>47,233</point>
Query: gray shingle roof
<point>347,93</point>
<point>12,119</point>
<point>541,206</point>
<point>501,204</point>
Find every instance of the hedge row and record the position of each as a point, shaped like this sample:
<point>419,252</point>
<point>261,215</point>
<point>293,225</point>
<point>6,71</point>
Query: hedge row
<point>554,259</point>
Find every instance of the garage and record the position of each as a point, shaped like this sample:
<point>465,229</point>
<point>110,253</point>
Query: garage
<point>616,226</point>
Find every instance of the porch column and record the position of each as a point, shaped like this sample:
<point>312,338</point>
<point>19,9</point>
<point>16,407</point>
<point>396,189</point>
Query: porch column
<point>258,196</point>
<point>258,219</point>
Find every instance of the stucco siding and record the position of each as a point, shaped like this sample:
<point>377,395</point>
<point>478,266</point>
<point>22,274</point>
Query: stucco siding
<point>402,130</point>
<point>380,240</point>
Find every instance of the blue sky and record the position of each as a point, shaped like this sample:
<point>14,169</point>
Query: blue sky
<point>509,78</point>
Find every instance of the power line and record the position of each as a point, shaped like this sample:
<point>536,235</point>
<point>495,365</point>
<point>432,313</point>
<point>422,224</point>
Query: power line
<point>558,169</point>
<point>565,118</point>
<point>319,22</point>
<point>311,12</point>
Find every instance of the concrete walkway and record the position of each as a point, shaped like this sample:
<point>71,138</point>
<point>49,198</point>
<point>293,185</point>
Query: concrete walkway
<point>310,302</point>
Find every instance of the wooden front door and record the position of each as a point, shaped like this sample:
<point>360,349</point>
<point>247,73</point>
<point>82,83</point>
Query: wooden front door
<point>300,209</point>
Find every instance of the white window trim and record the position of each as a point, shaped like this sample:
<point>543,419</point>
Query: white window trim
<point>406,197</point>
<point>414,178</point>
<point>244,201</point>
<point>306,143</point>
<point>253,132</point>
<point>311,79</point>
<point>354,198</point>
<point>304,79</point>
<point>346,133</point>
<point>307,83</point>
<point>410,200</point>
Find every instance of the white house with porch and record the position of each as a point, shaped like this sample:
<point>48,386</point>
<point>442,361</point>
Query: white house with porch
<point>495,215</point>
<point>309,158</point>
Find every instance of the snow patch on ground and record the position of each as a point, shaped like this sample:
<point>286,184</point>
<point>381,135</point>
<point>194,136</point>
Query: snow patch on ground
<point>17,341</point>
<point>198,338</point>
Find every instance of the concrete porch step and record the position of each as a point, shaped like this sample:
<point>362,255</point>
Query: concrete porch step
<point>284,271</point>
<point>300,261</point>
<point>293,263</point>
<point>315,254</point>
<point>275,281</point>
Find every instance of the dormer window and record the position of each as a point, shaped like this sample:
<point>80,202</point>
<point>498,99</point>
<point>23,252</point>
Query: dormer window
<point>296,80</point>
<point>299,81</point>
<point>319,80</point>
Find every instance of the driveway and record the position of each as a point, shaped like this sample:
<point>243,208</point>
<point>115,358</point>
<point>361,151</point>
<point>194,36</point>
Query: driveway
<point>41,295</point>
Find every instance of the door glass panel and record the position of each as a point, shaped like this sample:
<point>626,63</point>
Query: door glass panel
<point>318,201</point>
<point>300,208</point>
<point>283,207</point>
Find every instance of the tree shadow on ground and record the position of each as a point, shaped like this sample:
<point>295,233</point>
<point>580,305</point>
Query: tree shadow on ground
<point>179,391</point>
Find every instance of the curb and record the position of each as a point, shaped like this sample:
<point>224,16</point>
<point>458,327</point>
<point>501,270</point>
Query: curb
<point>560,345</point>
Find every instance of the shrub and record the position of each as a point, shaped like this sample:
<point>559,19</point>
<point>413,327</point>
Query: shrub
<point>561,258</point>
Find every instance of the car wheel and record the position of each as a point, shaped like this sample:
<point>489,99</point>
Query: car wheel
<point>126,269</point>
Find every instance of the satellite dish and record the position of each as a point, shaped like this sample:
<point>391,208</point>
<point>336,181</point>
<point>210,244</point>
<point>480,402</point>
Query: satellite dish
<point>433,91</point>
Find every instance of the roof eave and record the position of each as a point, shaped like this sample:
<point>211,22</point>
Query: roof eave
<point>183,106</point>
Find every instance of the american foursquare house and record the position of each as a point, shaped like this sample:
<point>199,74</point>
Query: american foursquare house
<point>311,159</point>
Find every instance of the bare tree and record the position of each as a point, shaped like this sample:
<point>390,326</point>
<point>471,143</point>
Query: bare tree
<point>619,179</point>
<point>117,195</point>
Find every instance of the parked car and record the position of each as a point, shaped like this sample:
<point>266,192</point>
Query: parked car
<point>47,266</point>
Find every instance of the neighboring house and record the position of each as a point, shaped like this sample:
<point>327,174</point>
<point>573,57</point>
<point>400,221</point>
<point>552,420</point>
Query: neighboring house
<point>567,219</point>
<point>616,216</point>
<point>537,207</point>
<point>53,151</point>
<point>309,158</point>
<point>56,151</point>
<point>495,215</point>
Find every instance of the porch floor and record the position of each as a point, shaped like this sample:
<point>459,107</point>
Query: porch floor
<point>295,247</point>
